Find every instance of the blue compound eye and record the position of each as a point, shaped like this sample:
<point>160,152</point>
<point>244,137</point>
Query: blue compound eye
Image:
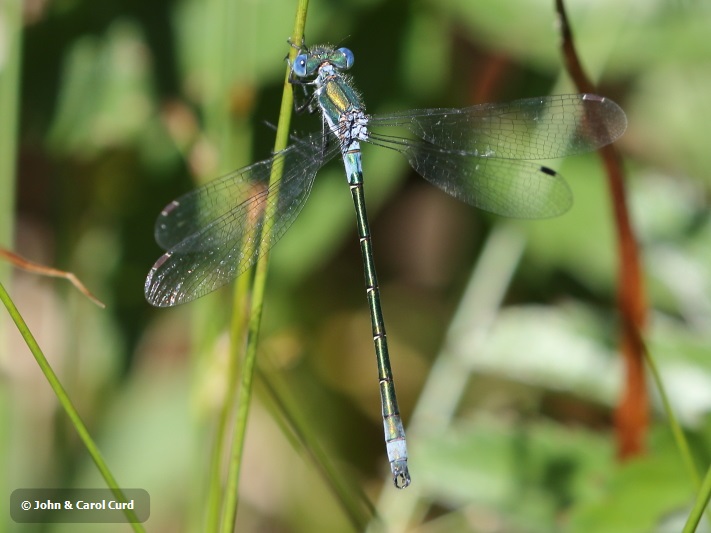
<point>347,61</point>
<point>299,66</point>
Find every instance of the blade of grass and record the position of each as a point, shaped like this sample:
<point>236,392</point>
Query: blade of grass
<point>67,405</point>
<point>298,431</point>
<point>229,513</point>
<point>11,16</point>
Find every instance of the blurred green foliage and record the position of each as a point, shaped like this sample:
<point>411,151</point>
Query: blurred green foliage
<point>127,104</point>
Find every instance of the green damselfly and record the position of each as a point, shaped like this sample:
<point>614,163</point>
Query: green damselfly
<point>483,155</point>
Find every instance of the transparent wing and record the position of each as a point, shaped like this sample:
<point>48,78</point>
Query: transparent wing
<point>214,233</point>
<point>534,128</point>
<point>507,187</point>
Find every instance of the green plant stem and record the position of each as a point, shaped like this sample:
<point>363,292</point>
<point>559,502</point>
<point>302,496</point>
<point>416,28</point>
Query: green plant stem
<point>238,327</point>
<point>677,432</point>
<point>702,501</point>
<point>703,489</point>
<point>229,132</point>
<point>229,514</point>
<point>66,403</point>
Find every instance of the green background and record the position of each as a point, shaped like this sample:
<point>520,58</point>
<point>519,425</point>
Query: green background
<point>502,333</point>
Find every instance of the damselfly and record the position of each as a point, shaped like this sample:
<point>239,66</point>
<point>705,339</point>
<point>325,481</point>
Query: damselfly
<point>482,155</point>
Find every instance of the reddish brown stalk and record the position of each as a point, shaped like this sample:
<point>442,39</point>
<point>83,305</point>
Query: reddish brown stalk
<point>632,413</point>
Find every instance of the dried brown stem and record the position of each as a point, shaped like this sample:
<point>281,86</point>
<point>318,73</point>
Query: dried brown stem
<point>43,270</point>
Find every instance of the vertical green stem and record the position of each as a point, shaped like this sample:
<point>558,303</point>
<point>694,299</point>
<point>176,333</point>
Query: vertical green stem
<point>228,28</point>
<point>229,514</point>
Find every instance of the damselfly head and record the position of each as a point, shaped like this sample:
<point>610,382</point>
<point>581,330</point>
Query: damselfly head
<point>307,63</point>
